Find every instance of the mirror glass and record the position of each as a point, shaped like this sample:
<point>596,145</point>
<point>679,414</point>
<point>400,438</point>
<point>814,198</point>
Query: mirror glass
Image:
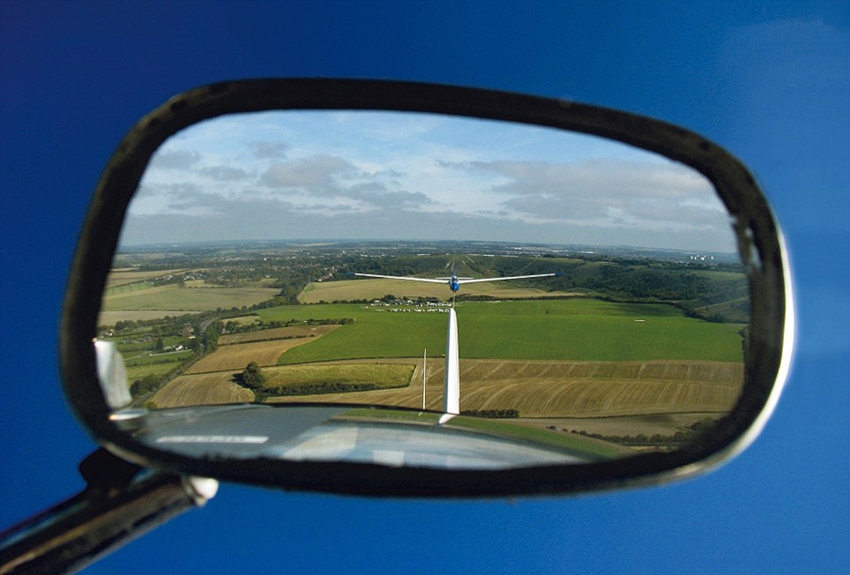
<point>244,300</point>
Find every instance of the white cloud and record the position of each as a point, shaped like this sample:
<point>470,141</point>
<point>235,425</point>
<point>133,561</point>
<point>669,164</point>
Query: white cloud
<point>226,173</point>
<point>172,159</point>
<point>316,174</point>
<point>269,150</point>
<point>362,175</point>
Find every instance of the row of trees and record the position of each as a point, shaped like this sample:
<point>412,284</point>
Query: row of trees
<point>154,382</point>
<point>691,286</point>
<point>253,378</point>
<point>492,413</point>
<point>679,437</point>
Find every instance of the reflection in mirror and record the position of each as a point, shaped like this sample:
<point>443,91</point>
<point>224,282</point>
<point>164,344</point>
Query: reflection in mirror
<point>266,294</point>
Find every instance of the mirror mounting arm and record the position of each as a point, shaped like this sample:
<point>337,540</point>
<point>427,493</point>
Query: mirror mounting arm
<point>121,502</point>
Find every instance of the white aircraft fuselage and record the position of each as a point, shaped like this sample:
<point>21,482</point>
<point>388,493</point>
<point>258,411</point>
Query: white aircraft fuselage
<point>451,390</point>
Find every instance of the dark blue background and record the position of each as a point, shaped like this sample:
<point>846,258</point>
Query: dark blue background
<point>768,80</point>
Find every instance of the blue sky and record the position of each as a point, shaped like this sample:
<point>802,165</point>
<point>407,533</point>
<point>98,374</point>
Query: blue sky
<point>770,81</point>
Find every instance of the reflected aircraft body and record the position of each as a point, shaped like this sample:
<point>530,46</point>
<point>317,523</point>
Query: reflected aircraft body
<point>451,391</point>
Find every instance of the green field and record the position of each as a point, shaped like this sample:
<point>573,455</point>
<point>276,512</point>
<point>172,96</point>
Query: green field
<point>381,375</point>
<point>174,357</point>
<point>141,360</point>
<point>126,276</point>
<point>130,349</point>
<point>135,372</point>
<point>568,329</point>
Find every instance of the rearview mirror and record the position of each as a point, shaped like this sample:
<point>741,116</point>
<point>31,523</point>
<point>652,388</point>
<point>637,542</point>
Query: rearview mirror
<point>404,289</point>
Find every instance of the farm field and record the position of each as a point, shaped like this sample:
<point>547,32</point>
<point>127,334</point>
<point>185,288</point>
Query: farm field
<point>297,331</point>
<point>236,357</point>
<point>550,360</point>
<point>608,398</point>
<point>142,358</point>
<point>123,276</point>
<point>577,329</point>
<point>566,364</point>
<point>150,358</point>
<point>135,372</point>
<point>381,375</point>
<point>113,317</point>
<point>223,364</point>
<point>138,366</point>
<point>202,389</point>
<point>559,364</point>
<point>559,389</point>
<point>170,297</point>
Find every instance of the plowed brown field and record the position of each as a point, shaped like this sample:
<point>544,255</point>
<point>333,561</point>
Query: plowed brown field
<point>210,379</point>
<point>204,389</point>
<point>568,389</point>
<point>236,357</point>
<point>295,331</point>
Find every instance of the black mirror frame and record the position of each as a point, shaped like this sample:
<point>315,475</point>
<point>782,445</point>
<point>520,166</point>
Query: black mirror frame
<point>760,243</point>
